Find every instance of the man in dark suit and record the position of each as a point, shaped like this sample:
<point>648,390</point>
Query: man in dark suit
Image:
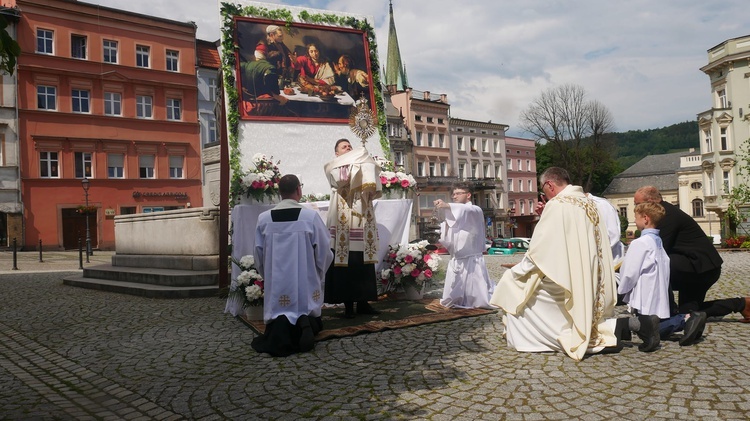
<point>694,263</point>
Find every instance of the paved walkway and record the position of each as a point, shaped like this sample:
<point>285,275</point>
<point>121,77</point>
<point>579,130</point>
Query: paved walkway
<point>68,353</point>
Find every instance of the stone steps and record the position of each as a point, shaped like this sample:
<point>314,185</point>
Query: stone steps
<point>142,290</point>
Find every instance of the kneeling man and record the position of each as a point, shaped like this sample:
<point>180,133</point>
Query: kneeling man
<point>292,253</point>
<point>561,296</point>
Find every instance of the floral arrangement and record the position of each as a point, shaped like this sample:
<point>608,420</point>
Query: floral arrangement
<point>736,242</point>
<point>262,181</point>
<point>86,209</point>
<point>410,265</point>
<point>393,178</point>
<point>315,197</point>
<point>249,284</point>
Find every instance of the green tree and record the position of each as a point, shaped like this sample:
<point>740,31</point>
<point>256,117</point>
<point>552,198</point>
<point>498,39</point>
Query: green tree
<point>9,48</point>
<point>739,195</point>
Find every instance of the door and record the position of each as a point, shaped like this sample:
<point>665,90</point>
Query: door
<point>74,227</point>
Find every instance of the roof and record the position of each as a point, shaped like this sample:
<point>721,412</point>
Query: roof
<point>659,171</point>
<point>207,55</point>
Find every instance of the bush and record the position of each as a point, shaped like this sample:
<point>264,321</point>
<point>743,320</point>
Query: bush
<point>736,242</point>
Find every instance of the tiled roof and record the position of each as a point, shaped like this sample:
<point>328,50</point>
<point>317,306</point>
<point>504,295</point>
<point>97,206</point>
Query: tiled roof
<point>207,54</point>
<point>659,171</point>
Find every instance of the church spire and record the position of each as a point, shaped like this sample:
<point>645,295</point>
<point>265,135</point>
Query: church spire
<point>395,71</point>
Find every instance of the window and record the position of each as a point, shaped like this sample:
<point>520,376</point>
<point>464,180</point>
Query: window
<point>531,206</point>
<point>46,97</point>
<point>172,60</point>
<point>487,201</point>
<point>440,121</point>
<point>520,185</point>
<point>112,103</point>
<point>473,144</point>
<point>528,165</point>
<point>175,166</point>
<point>420,169</point>
<point>495,146</point>
<point>697,208</point>
<point>484,145</point>
<point>83,164</point>
<point>430,140</point>
<point>398,158</point>
<point>441,140</point>
<point>623,211</point>
<point>127,210</point>
<point>510,184</point>
<point>116,165</point>
<point>497,171</point>
<point>461,170</point>
<point>432,169</point>
<point>443,169</point>
<point>724,141</point>
<point>151,209</point>
<point>110,51</point>
<point>80,100</point>
<point>173,109</point>
<point>711,184</point>
<point>460,143</point>
<point>417,117</point>
<point>146,166</point>
<point>487,173</point>
<point>419,138</point>
<point>212,88</point>
<point>707,136</point>
<point>143,106</point>
<point>522,203</point>
<point>530,186</point>
<point>78,46</point>
<point>44,39</point>
<point>725,182</point>
<point>48,167</point>
<point>429,119</point>
<point>510,164</point>
<point>212,133</point>
<point>518,165</point>
<point>142,54</point>
<point>721,96</point>
<point>696,185</point>
<point>474,168</point>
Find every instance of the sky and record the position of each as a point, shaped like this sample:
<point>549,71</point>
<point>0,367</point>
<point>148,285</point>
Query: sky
<point>640,58</point>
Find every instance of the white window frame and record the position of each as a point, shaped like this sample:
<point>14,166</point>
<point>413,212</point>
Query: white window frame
<point>724,138</point>
<point>432,168</point>
<point>726,182</point>
<point>460,143</point>
<point>172,61</point>
<point>50,92</point>
<point>487,171</point>
<point>430,140</point>
<point>174,109</point>
<point>49,161</point>
<point>144,170</point>
<point>213,133</point>
<point>419,138</point>
<point>474,169</point>
<point>212,89</point>
<point>80,167</point>
<point>711,185</point>
<point>78,44</point>
<point>110,51</point>
<point>510,184</point>
<point>721,98</point>
<point>144,106</point>
<point>484,145</point>
<point>461,170</point>
<point>80,99</point>
<point>707,140</point>
<point>441,140</point>
<point>143,56</point>
<point>113,169</point>
<point>443,169</point>
<point>420,169</point>
<point>113,103</point>
<point>45,41</point>
<point>176,166</point>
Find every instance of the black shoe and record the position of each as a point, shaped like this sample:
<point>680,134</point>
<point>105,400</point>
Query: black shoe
<point>307,338</point>
<point>649,333</point>
<point>693,328</point>
<point>363,307</point>
<point>349,310</point>
<point>622,329</point>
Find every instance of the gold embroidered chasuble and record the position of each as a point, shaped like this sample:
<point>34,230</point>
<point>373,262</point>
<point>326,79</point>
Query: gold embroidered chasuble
<point>569,247</point>
<point>355,182</point>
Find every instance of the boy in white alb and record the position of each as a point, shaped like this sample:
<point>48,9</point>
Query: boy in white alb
<point>644,279</point>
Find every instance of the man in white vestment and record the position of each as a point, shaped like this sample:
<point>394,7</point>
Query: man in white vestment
<point>292,253</point>
<point>354,177</point>
<point>561,296</point>
<point>612,222</point>
<point>467,283</point>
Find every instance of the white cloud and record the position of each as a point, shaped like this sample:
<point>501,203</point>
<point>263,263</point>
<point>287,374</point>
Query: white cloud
<point>639,58</point>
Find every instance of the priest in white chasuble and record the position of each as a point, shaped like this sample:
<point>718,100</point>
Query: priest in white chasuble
<point>354,177</point>
<point>467,282</point>
<point>292,253</point>
<point>561,296</point>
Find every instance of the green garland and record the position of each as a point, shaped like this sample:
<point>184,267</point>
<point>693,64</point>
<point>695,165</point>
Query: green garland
<point>228,11</point>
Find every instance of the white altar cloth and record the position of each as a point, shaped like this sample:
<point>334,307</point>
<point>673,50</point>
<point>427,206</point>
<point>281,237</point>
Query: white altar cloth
<point>393,218</point>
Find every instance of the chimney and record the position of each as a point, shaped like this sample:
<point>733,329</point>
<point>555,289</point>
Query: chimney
<point>426,95</point>
<point>444,98</point>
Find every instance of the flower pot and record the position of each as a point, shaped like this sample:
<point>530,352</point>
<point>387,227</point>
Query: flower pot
<point>413,292</point>
<point>394,194</point>
<point>254,312</point>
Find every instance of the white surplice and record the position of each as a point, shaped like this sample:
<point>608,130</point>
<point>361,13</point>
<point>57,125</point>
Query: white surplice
<point>293,258</point>
<point>561,296</point>
<point>467,283</point>
<point>644,275</point>
<point>612,221</point>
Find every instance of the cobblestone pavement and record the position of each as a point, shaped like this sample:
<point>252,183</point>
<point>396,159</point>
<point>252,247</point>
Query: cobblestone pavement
<point>68,353</point>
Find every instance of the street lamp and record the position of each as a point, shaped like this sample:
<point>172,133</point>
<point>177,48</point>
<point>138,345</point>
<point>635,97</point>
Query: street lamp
<point>85,184</point>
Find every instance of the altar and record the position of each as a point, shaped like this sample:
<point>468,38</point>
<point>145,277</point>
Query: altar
<point>392,216</point>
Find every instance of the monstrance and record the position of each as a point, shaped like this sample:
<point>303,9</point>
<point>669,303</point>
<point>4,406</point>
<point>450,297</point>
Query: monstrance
<point>362,121</point>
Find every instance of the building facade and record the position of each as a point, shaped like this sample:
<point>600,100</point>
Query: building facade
<point>478,157</point>
<point>11,215</point>
<point>725,127</point>
<point>207,57</point>
<point>110,97</point>
<point>522,186</point>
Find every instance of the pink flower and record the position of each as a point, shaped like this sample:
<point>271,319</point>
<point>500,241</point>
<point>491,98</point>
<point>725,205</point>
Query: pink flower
<point>383,180</point>
<point>427,258</point>
<point>392,255</point>
<point>408,258</point>
<point>405,183</point>
<point>257,184</point>
<point>397,270</point>
<point>259,284</point>
<point>428,273</point>
<point>415,272</point>
<point>394,180</point>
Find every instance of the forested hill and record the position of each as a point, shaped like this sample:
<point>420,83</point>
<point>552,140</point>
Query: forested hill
<point>636,144</point>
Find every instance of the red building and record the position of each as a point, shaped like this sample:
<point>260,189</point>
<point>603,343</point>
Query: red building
<point>522,186</point>
<point>109,96</point>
